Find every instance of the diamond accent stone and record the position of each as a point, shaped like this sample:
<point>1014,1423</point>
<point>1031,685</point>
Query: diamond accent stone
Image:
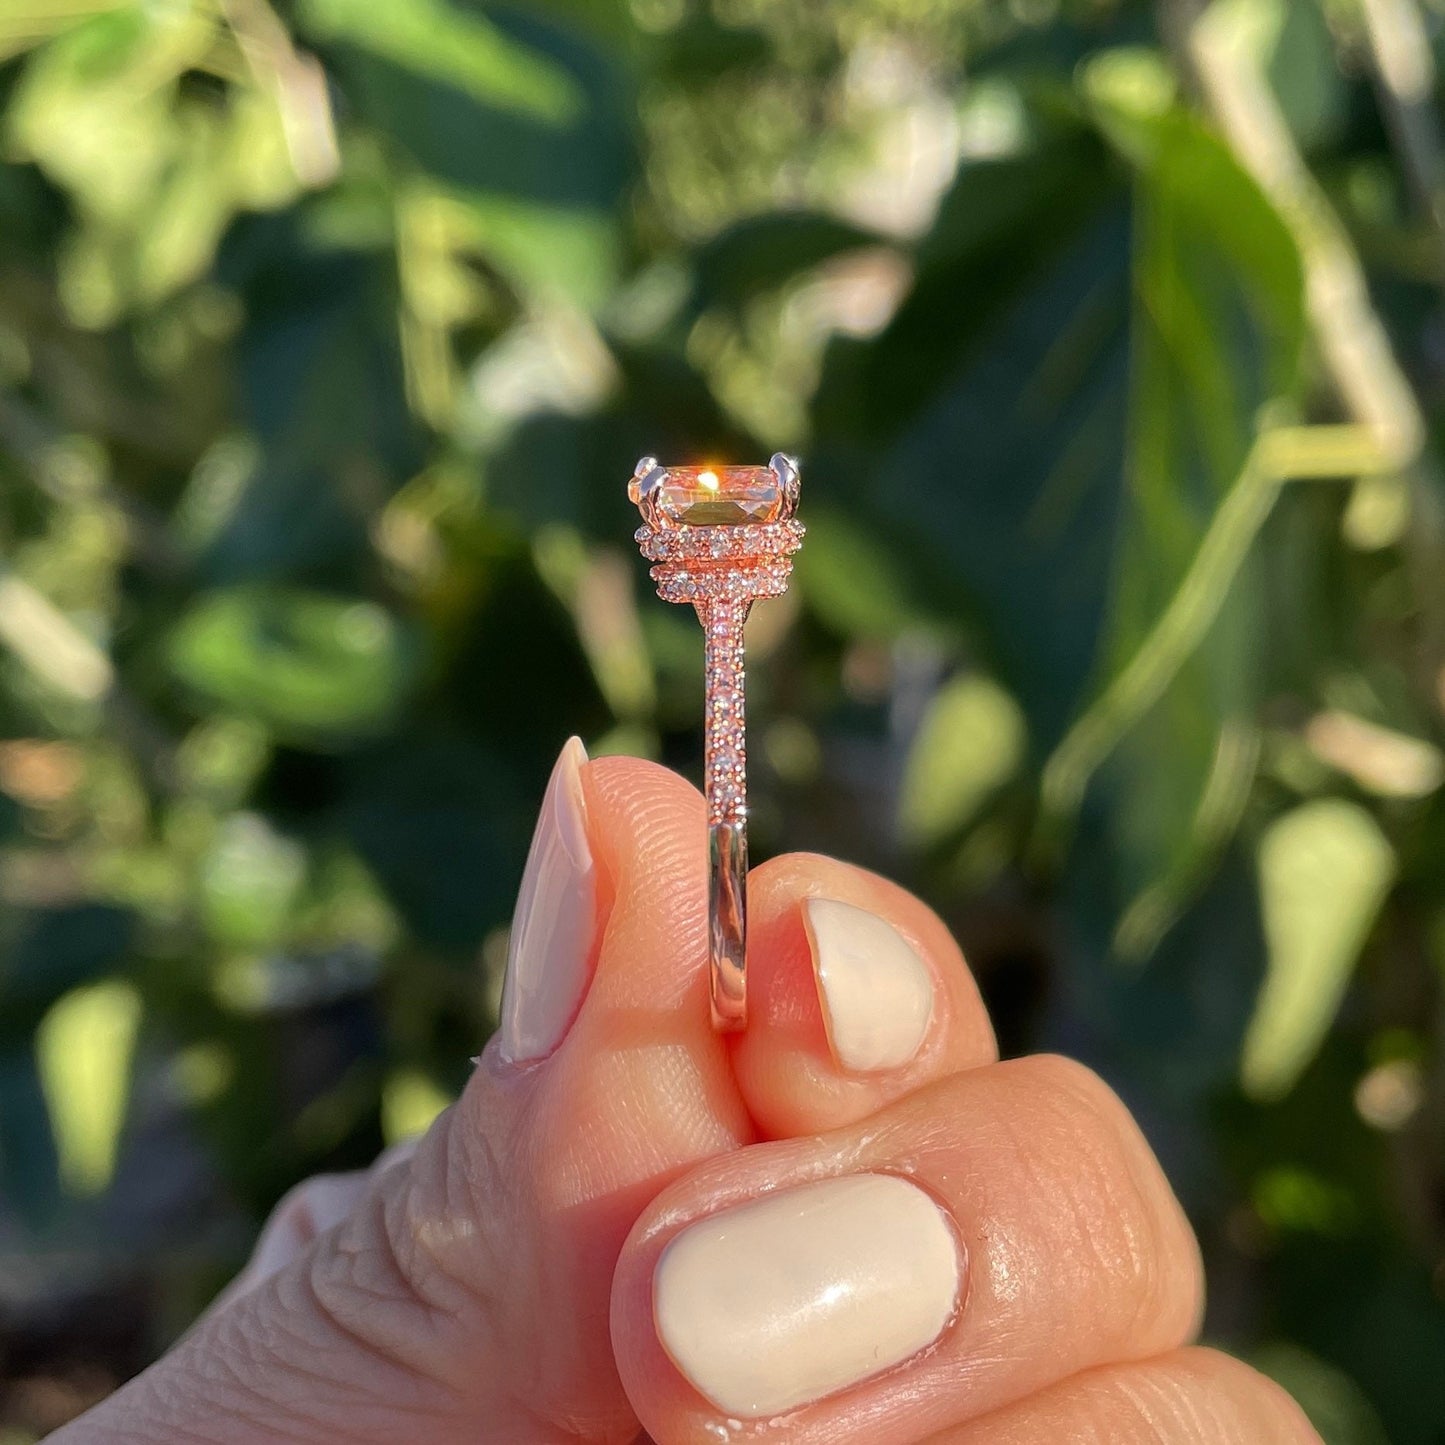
<point>716,544</point>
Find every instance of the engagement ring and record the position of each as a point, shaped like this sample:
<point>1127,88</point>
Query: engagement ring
<point>721,537</point>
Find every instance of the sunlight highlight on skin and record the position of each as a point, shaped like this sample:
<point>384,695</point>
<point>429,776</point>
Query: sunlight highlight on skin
<point>636,1117</point>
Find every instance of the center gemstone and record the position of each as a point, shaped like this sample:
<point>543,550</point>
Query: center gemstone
<point>720,496</point>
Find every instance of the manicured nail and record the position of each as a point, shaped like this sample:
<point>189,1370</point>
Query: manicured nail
<point>551,942</point>
<point>773,1304</point>
<point>877,993</point>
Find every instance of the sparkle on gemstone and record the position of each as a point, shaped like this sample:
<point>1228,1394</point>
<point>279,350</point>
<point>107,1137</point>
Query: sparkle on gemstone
<point>719,496</point>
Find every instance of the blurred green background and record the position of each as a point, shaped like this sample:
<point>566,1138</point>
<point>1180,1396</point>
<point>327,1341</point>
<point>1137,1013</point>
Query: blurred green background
<point>1111,336</point>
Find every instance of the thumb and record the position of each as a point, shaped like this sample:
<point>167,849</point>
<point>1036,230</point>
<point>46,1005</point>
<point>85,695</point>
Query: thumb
<point>465,1296</point>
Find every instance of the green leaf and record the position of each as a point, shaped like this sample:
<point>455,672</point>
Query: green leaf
<point>442,826</point>
<point>1325,869</point>
<point>190,212</point>
<point>852,579</point>
<point>58,949</point>
<point>1217,332</point>
<point>1218,329</point>
<point>546,252</point>
<point>305,663</point>
<point>90,112</point>
<point>410,1101</point>
<point>972,740</point>
<point>1007,487</point>
<point>1304,71</point>
<point>1335,1404</point>
<point>1005,230</point>
<point>762,252</point>
<point>155,171</point>
<point>568,150</point>
<point>84,1048</point>
<point>251,879</point>
<point>28,1167</point>
<point>460,48</point>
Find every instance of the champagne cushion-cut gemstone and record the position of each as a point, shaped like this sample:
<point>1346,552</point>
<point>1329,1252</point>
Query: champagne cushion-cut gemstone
<point>720,496</point>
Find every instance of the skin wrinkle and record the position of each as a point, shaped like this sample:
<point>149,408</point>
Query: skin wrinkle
<point>1101,1235</point>
<point>555,1276</point>
<point>1114,1207</point>
<point>1179,1300</point>
<point>1186,1415</point>
<point>702,1132</point>
<point>1190,1396</point>
<point>1008,1271</point>
<point>1114,1224</point>
<point>358,1281</point>
<point>420,1245</point>
<point>1013,1255</point>
<point>671,817</point>
<point>291,1335</point>
<point>544,1343</point>
<point>447,1417</point>
<point>1005,1263</point>
<point>1170,1307</point>
<point>324,1300</point>
<point>465,1176</point>
<point>253,1338</point>
<point>222,1362</point>
<point>1113,1190</point>
<point>226,1367</point>
<point>652,1089</point>
<point>495,1267</point>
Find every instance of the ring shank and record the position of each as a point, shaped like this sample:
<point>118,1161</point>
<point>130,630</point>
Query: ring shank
<point>728,924</point>
<point>726,789</point>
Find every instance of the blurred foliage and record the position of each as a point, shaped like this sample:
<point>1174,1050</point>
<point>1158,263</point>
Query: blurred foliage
<point>1112,338</point>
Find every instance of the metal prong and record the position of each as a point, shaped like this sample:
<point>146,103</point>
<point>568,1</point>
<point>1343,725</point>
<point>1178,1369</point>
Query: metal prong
<point>785,469</point>
<point>646,479</point>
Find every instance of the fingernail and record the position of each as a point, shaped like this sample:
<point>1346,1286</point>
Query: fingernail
<point>877,993</point>
<point>551,941</point>
<point>777,1303</point>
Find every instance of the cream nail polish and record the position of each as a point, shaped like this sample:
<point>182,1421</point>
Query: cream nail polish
<point>877,994</point>
<point>770,1305</point>
<point>551,943</point>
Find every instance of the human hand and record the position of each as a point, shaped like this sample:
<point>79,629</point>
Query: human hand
<point>840,1226</point>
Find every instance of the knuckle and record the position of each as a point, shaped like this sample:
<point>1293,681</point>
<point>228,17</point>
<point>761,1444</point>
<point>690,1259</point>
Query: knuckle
<point>1077,1084</point>
<point>1243,1404</point>
<point>358,1285</point>
<point>386,1277</point>
<point>325,1200</point>
<point>293,1209</point>
<point>1119,1211</point>
<point>444,1229</point>
<point>1189,1397</point>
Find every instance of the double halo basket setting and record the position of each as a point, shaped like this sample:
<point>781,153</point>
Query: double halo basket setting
<point>720,538</point>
